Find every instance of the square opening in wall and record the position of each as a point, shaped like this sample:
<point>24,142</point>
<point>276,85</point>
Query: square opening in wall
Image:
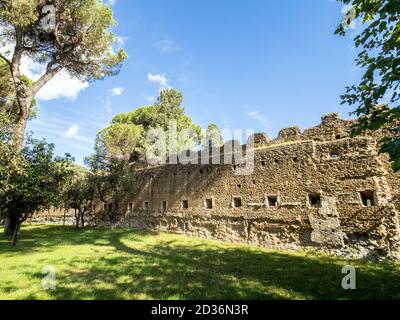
<point>146,205</point>
<point>209,203</point>
<point>185,204</point>
<point>164,206</point>
<point>130,206</point>
<point>314,199</point>
<point>237,202</point>
<point>368,198</point>
<point>272,201</point>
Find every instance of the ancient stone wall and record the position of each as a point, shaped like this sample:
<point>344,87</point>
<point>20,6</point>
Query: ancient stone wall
<point>319,188</point>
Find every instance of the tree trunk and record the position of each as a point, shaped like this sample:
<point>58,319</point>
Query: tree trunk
<point>10,225</point>
<point>77,218</point>
<point>82,221</point>
<point>25,103</point>
<point>19,132</point>
<point>16,234</point>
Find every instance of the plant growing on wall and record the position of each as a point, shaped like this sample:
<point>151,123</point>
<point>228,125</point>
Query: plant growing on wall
<point>378,44</point>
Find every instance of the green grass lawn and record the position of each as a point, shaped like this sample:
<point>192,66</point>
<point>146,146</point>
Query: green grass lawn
<point>127,264</point>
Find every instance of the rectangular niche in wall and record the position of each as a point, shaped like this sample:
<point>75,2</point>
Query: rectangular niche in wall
<point>164,206</point>
<point>314,199</point>
<point>146,205</point>
<point>209,203</point>
<point>368,198</point>
<point>236,202</point>
<point>272,201</point>
<point>130,206</point>
<point>185,204</point>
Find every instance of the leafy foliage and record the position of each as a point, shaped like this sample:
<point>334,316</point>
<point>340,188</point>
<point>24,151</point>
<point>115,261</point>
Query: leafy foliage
<point>379,45</point>
<point>9,159</point>
<point>128,132</point>
<point>112,183</point>
<point>6,85</point>
<point>80,196</point>
<point>214,137</point>
<point>35,184</point>
<point>123,140</point>
<point>8,101</point>
<point>80,42</point>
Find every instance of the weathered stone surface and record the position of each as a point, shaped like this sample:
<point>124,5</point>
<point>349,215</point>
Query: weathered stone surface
<point>319,189</point>
<point>326,225</point>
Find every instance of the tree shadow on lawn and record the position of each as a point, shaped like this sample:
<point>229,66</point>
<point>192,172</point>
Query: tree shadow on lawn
<point>38,238</point>
<point>171,269</point>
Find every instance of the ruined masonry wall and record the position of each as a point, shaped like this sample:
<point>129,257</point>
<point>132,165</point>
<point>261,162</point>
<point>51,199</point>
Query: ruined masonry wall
<point>319,189</point>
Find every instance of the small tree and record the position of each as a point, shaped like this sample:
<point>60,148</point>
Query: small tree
<point>10,161</point>
<point>80,196</point>
<point>34,186</point>
<point>214,137</point>
<point>62,35</point>
<point>113,178</point>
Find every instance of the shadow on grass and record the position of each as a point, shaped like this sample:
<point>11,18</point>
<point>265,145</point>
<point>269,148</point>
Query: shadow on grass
<point>174,269</point>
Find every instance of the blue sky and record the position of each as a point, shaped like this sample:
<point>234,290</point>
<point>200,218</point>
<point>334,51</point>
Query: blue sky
<point>250,64</point>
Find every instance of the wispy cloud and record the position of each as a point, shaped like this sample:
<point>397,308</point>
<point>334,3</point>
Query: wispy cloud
<point>160,79</point>
<point>114,92</point>
<point>61,131</point>
<point>72,131</point>
<point>117,91</point>
<point>166,46</point>
<point>112,2</point>
<point>150,99</point>
<point>257,116</point>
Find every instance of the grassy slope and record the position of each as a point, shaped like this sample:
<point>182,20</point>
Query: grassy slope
<point>126,264</point>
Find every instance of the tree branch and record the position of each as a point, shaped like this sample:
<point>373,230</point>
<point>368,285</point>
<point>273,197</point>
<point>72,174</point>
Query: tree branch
<point>50,73</point>
<point>6,61</point>
<point>16,59</point>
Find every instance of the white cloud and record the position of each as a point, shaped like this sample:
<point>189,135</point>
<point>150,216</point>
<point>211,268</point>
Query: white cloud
<point>166,46</point>
<point>117,91</point>
<point>114,92</point>
<point>72,132</point>
<point>160,79</point>
<point>61,86</point>
<point>257,116</point>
